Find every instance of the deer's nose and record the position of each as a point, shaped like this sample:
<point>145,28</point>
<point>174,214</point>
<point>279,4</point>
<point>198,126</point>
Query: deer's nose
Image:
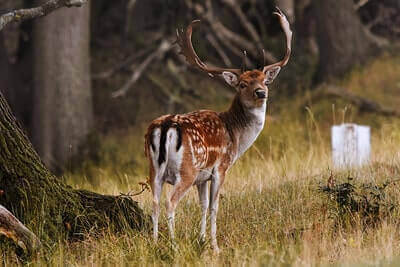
<point>261,94</point>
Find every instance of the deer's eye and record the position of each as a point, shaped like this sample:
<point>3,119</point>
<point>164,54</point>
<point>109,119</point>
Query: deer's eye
<point>242,85</point>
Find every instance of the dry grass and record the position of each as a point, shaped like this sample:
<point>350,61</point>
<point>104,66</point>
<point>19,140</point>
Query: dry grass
<point>271,212</point>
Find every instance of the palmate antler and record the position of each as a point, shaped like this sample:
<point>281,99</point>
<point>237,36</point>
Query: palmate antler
<point>184,40</point>
<point>288,34</point>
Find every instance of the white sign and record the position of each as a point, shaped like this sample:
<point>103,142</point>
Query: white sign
<point>351,145</point>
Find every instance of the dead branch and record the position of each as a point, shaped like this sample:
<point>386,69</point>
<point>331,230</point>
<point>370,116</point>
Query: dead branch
<point>175,73</point>
<point>162,49</point>
<point>172,97</point>
<point>12,228</point>
<point>232,47</point>
<point>227,37</point>
<point>360,4</point>
<point>384,14</point>
<point>145,187</point>
<point>379,41</point>
<point>364,104</point>
<point>108,73</point>
<point>40,11</point>
<point>239,40</point>
<point>244,21</point>
<point>248,26</point>
<point>200,11</point>
<point>256,13</point>
<point>219,49</point>
<point>129,8</point>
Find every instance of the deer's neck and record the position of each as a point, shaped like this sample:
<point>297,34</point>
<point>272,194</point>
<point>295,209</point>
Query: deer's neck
<point>244,124</point>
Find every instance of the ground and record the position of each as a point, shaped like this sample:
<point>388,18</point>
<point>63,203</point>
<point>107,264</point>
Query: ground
<point>272,211</point>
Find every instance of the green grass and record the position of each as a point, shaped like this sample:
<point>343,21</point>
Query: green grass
<point>271,211</point>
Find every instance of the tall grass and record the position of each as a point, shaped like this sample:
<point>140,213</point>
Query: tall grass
<point>271,211</point>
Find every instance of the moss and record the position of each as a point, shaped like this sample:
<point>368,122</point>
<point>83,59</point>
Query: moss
<point>50,207</point>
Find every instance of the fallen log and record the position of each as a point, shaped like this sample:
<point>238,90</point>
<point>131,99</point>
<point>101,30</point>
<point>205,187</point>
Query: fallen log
<point>12,228</point>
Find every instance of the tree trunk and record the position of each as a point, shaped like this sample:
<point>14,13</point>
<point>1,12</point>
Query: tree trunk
<point>10,77</point>
<point>341,38</point>
<point>47,205</point>
<point>62,112</point>
<point>5,72</point>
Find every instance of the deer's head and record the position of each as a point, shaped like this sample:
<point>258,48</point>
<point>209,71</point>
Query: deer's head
<point>251,85</point>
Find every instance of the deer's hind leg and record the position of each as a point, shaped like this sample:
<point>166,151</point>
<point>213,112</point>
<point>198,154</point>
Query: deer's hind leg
<point>156,187</point>
<point>184,181</point>
<point>156,179</point>
<point>204,203</point>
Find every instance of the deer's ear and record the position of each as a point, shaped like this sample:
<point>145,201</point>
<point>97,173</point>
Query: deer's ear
<point>271,74</point>
<point>230,78</point>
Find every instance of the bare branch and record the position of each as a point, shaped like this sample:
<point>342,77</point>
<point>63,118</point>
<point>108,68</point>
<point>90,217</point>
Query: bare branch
<point>248,26</point>
<point>244,21</point>
<point>108,73</point>
<point>162,49</point>
<point>12,228</point>
<point>260,21</point>
<point>129,8</point>
<point>172,97</point>
<point>377,40</point>
<point>226,36</point>
<point>360,4</point>
<point>40,11</point>
<point>219,49</point>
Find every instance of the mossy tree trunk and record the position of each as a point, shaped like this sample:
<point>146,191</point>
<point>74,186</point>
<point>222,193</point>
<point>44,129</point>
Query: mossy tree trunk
<point>50,207</point>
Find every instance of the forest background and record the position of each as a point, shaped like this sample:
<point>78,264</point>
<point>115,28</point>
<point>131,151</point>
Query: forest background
<point>84,83</point>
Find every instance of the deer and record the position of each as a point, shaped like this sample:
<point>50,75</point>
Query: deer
<point>198,148</point>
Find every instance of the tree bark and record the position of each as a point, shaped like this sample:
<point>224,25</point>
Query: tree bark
<point>62,113</point>
<point>9,37</point>
<point>51,208</point>
<point>342,41</point>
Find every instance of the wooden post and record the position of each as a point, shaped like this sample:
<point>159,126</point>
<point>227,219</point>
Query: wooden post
<point>350,145</point>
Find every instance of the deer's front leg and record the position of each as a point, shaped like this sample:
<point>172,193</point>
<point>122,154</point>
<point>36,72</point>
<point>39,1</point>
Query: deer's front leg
<point>216,182</point>
<point>204,202</point>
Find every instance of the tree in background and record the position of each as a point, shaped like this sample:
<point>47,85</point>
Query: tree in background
<point>15,64</point>
<point>27,188</point>
<point>342,39</point>
<point>62,99</point>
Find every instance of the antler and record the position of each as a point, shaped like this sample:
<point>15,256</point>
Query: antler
<point>184,40</point>
<point>288,33</point>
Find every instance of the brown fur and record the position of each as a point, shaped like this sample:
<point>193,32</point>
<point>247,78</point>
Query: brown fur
<point>210,140</point>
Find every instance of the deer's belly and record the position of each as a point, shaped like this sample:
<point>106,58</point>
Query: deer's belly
<point>204,175</point>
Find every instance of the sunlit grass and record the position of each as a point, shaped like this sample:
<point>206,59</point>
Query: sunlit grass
<point>271,211</point>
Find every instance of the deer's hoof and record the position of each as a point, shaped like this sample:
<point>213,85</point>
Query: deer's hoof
<point>216,249</point>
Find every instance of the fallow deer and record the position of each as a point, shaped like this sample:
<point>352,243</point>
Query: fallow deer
<point>197,147</point>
